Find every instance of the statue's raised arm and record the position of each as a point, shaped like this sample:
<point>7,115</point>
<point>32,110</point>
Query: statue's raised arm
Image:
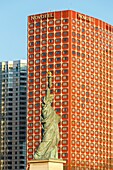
<point>49,119</point>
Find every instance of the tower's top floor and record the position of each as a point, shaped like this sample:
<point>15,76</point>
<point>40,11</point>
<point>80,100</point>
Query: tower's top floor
<point>71,15</point>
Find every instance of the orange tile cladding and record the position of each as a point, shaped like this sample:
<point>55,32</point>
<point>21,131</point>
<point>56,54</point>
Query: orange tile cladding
<point>78,50</point>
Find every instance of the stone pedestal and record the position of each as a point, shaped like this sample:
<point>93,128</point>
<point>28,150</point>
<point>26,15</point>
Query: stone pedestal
<point>50,164</point>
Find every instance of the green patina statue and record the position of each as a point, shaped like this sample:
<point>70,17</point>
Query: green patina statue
<point>49,119</point>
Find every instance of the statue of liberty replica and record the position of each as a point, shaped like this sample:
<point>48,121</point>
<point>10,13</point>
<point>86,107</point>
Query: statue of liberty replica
<point>50,130</point>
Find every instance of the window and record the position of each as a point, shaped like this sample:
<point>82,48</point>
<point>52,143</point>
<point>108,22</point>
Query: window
<point>51,34</point>
<point>58,59</point>
<point>51,28</point>
<point>58,72</point>
<point>37,61</point>
<point>31,49</point>
<point>50,53</point>
<point>58,46</point>
<point>58,52</point>
<point>73,46</point>
<point>65,45</point>
<point>31,56</point>
<point>57,78</point>
<point>50,47</point>
<point>96,28</point>
<point>57,103</point>
<point>58,34</point>
<point>57,84</point>
<point>65,26</point>
<point>31,25</point>
<point>37,36</point>
<point>65,39</point>
<point>38,55</point>
<point>83,36</point>
<point>44,35</point>
<point>64,96</point>
<point>44,23</point>
<point>65,64</point>
<point>37,48</point>
<point>58,40</point>
<point>38,30</point>
<point>43,54</point>
<point>65,71</point>
<point>44,60</point>
<point>50,66</point>
<point>50,60</point>
<point>58,27</point>
<point>44,29</point>
<point>65,20</point>
<point>58,65</point>
<point>57,97</point>
<point>31,43</point>
<point>73,40</point>
<point>43,72</point>
<point>51,40</point>
<point>65,52</point>
<point>38,24</point>
<point>58,21</point>
<point>37,42</point>
<point>31,37</point>
<point>51,22</point>
<point>43,66</point>
<point>65,58</point>
<point>64,84</point>
<point>65,33</point>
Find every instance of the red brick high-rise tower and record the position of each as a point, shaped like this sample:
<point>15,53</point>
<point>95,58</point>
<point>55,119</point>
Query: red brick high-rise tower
<point>78,50</point>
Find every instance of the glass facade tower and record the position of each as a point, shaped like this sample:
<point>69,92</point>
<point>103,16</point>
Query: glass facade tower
<point>13,89</point>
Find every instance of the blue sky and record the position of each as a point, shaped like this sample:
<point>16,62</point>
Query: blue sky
<point>13,20</point>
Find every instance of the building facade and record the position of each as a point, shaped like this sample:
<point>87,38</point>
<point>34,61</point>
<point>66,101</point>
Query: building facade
<point>78,50</point>
<point>13,90</point>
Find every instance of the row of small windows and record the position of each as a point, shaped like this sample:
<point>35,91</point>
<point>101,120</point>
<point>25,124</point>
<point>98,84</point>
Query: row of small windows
<point>49,22</point>
<point>58,40</point>
<point>74,21</point>
<point>87,44</point>
<point>64,155</point>
<point>43,86</point>
<point>78,73</point>
<point>83,93</point>
<point>57,104</point>
<point>50,47</point>
<point>64,71</point>
<point>66,34</point>
<point>102,30</point>
<point>57,97</point>
<point>50,29</point>
<point>97,34</point>
<point>56,78</point>
<point>43,91</point>
<point>57,34</point>
<point>78,60</point>
<point>65,46</point>
<point>64,84</point>
<point>50,54</point>
<point>78,35</point>
<point>64,110</point>
<point>104,45</point>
